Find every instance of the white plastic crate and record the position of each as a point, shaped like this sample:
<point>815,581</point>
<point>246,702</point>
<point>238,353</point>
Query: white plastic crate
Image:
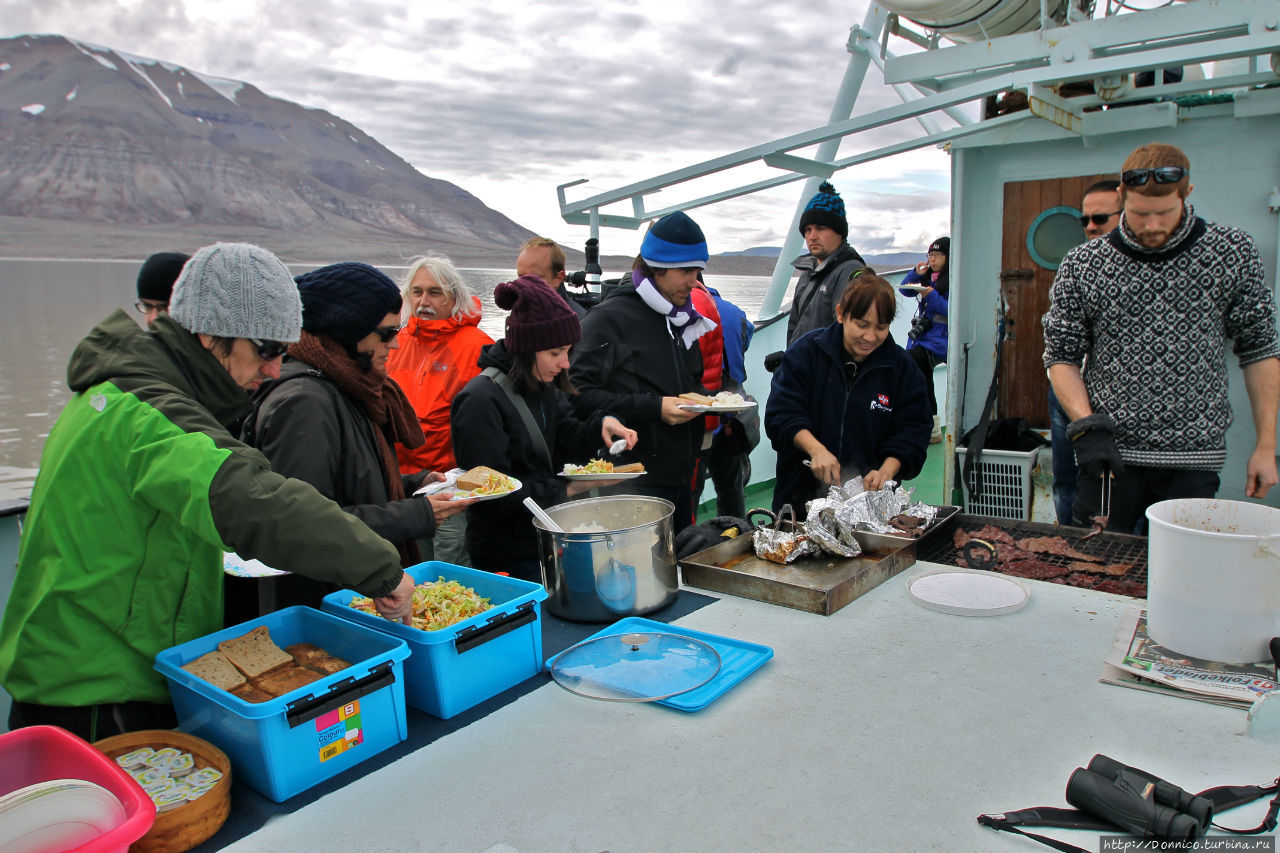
<point>1006,483</point>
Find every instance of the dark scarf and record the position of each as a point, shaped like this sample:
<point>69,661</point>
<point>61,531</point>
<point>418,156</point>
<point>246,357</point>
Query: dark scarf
<point>384,403</point>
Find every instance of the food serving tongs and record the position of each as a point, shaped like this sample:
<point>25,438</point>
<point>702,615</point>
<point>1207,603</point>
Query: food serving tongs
<point>1103,518</point>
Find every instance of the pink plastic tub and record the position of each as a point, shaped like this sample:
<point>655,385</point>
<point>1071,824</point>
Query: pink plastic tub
<point>40,753</point>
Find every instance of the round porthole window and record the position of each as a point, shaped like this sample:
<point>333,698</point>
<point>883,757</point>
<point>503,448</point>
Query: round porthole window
<point>1054,232</point>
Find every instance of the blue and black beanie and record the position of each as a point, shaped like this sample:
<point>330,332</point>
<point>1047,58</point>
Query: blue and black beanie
<point>825,208</point>
<point>673,242</point>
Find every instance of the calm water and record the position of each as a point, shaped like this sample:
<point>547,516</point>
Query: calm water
<point>46,307</point>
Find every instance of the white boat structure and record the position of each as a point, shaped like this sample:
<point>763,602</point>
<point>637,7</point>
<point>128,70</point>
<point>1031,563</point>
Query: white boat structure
<point>1033,101</point>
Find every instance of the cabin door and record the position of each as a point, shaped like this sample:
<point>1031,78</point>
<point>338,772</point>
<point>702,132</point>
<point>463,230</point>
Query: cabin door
<point>1041,224</point>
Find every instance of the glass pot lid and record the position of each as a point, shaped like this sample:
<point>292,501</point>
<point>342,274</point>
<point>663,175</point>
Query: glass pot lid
<point>635,667</point>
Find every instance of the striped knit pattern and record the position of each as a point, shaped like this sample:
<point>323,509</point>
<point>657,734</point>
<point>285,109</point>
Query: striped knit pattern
<point>1154,326</point>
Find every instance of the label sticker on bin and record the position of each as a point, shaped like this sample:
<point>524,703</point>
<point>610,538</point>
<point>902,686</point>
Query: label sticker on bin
<point>339,730</point>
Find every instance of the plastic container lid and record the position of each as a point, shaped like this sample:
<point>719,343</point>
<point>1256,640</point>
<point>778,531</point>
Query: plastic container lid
<point>635,667</point>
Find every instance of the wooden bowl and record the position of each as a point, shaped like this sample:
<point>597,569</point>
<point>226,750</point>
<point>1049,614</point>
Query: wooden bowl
<point>180,829</point>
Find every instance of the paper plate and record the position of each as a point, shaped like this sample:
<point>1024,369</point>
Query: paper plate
<point>57,815</point>
<point>966,592</point>
<point>237,566</point>
<point>918,288</point>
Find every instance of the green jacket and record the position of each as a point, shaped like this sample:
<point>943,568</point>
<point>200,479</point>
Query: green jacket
<point>140,490</point>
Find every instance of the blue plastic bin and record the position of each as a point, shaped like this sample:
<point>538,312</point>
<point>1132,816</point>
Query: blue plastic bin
<point>460,666</point>
<point>284,746</point>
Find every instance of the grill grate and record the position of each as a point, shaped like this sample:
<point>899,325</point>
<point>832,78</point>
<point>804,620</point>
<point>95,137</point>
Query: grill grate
<point>1115,548</point>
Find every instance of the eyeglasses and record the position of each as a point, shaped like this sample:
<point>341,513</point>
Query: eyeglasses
<point>386,333</point>
<point>268,350</point>
<point>145,307</point>
<point>1096,218</point>
<point>1161,174</point>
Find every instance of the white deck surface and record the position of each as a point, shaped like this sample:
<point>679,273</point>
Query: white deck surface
<point>884,727</point>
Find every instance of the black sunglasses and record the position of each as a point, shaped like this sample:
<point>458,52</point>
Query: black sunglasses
<point>1161,174</point>
<point>268,350</point>
<point>386,333</point>
<point>1096,218</point>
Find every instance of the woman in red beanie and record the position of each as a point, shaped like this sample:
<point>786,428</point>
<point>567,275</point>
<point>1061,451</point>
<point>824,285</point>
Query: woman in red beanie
<point>525,377</point>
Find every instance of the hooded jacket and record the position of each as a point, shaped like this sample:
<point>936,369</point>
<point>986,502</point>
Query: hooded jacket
<point>626,362</point>
<point>487,430</point>
<point>883,412</point>
<point>818,291</point>
<point>434,360</point>
<point>140,491</point>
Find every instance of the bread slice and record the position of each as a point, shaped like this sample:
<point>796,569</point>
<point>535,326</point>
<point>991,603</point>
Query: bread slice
<point>304,653</point>
<point>254,653</point>
<point>629,468</point>
<point>476,477</point>
<point>285,679</point>
<point>327,663</point>
<point>248,693</point>
<point>217,670</point>
<point>700,399</point>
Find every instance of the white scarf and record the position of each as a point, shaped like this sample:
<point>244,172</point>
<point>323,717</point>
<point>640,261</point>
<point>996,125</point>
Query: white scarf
<point>684,317</point>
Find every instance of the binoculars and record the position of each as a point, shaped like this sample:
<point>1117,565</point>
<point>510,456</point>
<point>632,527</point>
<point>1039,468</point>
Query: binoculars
<point>1138,802</point>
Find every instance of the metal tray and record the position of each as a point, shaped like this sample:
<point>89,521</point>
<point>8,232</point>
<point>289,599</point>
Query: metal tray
<point>815,584</point>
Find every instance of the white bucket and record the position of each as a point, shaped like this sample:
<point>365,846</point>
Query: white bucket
<point>1213,569</point>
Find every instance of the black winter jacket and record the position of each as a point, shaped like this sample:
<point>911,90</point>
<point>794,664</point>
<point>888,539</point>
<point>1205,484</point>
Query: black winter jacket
<point>311,430</point>
<point>487,430</point>
<point>627,361</point>
<point>883,412</point>
<point>818,293</point>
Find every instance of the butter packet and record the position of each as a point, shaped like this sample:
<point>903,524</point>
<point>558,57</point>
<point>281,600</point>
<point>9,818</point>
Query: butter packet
<point>204,777</point>
<point>172,798</point>
<point>136,759</point>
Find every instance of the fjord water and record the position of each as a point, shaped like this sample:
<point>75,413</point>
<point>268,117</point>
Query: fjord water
<point>47,306</point>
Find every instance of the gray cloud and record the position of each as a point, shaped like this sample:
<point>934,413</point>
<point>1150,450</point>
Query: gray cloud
<point>538,93</point>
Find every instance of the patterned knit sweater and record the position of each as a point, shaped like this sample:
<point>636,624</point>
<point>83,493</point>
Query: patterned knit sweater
<point>1154,325</point>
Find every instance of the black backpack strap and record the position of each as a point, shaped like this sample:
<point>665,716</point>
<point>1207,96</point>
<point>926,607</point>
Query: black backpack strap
<point>503,381</point>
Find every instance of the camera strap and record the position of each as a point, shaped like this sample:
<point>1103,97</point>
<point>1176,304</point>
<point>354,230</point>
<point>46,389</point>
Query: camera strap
<point>1224,798</point>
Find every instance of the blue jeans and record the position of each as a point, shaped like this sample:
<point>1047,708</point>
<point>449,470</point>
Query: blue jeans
<point>1064,461</point>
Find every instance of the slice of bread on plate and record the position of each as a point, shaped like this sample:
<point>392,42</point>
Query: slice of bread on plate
<point>697,399</point>
<point>217,670</point>
<point>629,468</point>
<point>476,477</point>
<point>254,653</point>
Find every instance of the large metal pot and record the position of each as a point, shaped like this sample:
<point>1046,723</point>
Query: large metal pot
<point>624,566</point>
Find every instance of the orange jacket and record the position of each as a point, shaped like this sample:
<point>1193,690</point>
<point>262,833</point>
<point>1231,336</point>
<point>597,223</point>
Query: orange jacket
<point>712,346</point>
<point>434,360</point>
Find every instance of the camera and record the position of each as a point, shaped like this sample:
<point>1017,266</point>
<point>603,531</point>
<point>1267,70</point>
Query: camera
<point>1138,802</point>
<point>920,324</point>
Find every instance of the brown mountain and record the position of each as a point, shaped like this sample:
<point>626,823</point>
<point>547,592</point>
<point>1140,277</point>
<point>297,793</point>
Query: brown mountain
<point>105,154</point>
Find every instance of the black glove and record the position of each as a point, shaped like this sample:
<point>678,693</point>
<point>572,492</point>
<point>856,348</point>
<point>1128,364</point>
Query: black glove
<point>1094,440</point>
<point>772,360</point>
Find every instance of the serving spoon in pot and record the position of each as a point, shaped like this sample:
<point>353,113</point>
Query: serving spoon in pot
<point>541,514</point>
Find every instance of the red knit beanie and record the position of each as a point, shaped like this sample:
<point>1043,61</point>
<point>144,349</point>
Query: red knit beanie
<point>540,318</point>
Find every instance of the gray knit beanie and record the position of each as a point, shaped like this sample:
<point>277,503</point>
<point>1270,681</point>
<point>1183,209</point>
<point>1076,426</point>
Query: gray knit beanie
<point>237,290</point>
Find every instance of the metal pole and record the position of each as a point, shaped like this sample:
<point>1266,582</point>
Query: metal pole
<point>864,40</point>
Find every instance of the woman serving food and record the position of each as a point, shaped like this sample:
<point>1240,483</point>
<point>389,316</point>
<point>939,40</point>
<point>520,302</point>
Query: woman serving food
<point>515,417</point>
<point>847,400</point>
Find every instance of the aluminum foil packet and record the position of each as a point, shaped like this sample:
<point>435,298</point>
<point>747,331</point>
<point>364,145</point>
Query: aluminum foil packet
<point>889,510</point>
<point>784,546</point>
<point>823,527</point>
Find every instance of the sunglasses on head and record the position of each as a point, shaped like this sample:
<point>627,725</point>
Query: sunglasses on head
<point>386,333</point>
<point>268,350</point>
<point>1161,174</point>
<point>1096,218</point>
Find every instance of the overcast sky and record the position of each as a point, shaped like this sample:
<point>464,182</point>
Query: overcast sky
<point>508,99</point>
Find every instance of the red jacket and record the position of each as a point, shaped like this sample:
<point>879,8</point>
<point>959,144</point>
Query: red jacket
<point>712,346</point>
<point>434,360</point>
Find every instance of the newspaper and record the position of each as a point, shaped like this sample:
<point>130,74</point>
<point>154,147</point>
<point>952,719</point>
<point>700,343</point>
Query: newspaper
<point>1136,661</point>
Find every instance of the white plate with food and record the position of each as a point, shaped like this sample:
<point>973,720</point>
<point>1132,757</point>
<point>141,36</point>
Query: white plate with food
<point>918,288</point>
<point>717,410</point>
<point>239,567</point>
<point>487,488</point>
<point>598,469</point>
